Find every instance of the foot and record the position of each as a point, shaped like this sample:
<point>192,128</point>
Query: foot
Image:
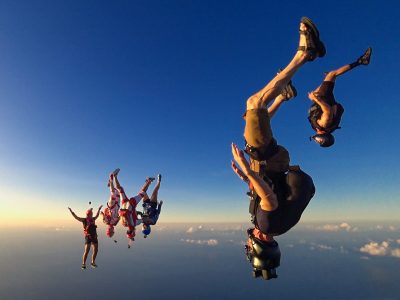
<point>289,92</point>
<point>83,267</point>
<point>93,265</point>
<point>366,57</point>
<point>151,179</point>
<point>159,177</point>
<point>115,172</point>
<point>309,40</point>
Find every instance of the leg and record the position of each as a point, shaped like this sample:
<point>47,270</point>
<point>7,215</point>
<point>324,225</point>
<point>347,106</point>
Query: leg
<point>273,108</point>
<point>147,183</point>
<point>95,247</point>
<point>154,195</point>
<point>275,86</point>
<point>362,60</point>
<point>85,253</point>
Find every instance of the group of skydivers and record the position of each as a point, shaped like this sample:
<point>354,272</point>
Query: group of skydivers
<point>120,207</point>
<point>278,192</point>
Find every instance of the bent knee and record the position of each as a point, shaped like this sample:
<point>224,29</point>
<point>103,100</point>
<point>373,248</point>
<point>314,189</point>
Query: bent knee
<point>330,76</point>
<point>253,102</point>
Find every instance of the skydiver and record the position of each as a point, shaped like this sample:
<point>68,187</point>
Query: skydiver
<point>90,232</point>
<point>276,204</point>
<point>111,212</point>
<point>151,209</point>
<point>127,211</point>
<point>325,114</point>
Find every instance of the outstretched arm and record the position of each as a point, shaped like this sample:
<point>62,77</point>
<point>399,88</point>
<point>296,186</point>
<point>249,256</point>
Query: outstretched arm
<point>98,212</point>
<point>269,201</point>
<point>75,216</point>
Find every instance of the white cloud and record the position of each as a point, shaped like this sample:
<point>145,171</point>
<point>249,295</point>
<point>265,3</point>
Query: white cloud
<point>382,249</point>
<point>398,241</point>
<point>374,248</point>
<point>210,242</point>
<point>392,228</point>
<point>345,226</point>
<point>395,252</point>
<point>190,230</point>
<point>324,247</point>
<point>364,257</point>
<point>337,227</point>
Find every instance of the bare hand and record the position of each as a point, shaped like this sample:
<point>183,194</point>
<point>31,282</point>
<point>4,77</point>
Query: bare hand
<point>239,172</point>
<point>100,207</point>
<point>238,156</point>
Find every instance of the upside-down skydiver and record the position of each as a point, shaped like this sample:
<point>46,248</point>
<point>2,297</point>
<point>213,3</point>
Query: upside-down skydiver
<point>279,193</point>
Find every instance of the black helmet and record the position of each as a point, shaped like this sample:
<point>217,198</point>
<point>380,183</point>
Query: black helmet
<point>264,256</point>
<point>324,139</point>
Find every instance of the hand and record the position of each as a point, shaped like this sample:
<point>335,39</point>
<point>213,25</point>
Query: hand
<point>238,156</point>
<point>239,172</point>
<point>100,207</point>
<point>69,208</point>
<point>311,96</point>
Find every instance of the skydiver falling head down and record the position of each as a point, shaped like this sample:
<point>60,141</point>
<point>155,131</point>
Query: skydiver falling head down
<point>151,209</point>
<point>275,207</point>
<point>111,212</point>
<point>325,114</point>
<point>90,232</point>
<point>128,212</point>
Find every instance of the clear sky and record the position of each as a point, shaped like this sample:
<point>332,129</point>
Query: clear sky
<point>160,87</point>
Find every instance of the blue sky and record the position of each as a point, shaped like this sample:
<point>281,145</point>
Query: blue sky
<point>160,86</point>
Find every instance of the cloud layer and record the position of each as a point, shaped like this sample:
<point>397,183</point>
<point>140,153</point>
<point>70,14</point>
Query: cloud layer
<point>381,249</point>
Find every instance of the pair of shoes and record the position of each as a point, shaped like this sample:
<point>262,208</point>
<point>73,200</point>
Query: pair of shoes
<point>314,46</point>
<point>366,57</point>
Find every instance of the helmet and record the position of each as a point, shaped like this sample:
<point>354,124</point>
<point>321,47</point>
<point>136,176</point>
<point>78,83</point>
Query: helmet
<point>89,212</point>
<point>324,139</point>
<point>264,256</point>
<point>146,230</point>
<point>110,231</point>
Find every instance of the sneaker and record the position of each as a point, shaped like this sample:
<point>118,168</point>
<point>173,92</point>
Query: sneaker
<point>116,171</point>
<point>366,57</point>
<point>83,267</point>
<point>289,92</point>
<point>150,179</point>
<point>93,265</point>
<point>159,177</point>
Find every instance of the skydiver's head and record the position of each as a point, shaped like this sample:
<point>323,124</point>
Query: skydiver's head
<point>263,253</point>
<point>89,213</point>
<point>146,230</point>
<point>110,231</point>
<point>323,139</point>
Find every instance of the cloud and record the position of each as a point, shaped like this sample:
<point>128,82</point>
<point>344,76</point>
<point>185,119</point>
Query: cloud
<point>337,227</point>
<point>194,229</point>
<point>395,252</point>
<point>210,242</point>
<point>381,249</point>
<point>364,257</point>
<point>373,248</point>
<point>315,246</point>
